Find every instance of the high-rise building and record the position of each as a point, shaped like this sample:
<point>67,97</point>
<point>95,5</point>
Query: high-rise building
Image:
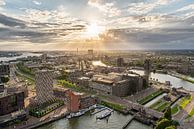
<point>91,53</point>
<point>120,62</point>
<point>4,69</point>
<point>147,67</point>
<point>44,86</point>
<point>147,70</point>
<point>2,88</point>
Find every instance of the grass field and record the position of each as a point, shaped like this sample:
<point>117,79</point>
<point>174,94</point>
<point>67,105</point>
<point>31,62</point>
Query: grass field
<point>175,109</point>
<point>156,104</point>
<point>150,97</point>
<point>184,101</point>
<point>163,106</point>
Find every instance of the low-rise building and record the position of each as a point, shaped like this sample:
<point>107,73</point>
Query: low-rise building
<point>83,81</point>
<point>77,101</point>
<point>60,93</point>
<point>117,84</point>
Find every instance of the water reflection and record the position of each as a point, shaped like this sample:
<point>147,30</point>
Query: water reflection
<point>176,82</point>
<point>116,121</point>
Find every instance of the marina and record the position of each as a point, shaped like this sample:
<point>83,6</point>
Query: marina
<point>115,121</point>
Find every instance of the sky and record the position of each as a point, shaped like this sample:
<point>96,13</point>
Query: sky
<point>96,24</point>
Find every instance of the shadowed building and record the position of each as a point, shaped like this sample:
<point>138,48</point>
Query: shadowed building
<point>117,84</point>
<point>147,70</point>
<point>4,69</point>
<point>11,102</point>
<point>120,62</point>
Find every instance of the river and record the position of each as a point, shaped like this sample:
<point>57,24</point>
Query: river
<point>116,121</point>
<point>176,82</point>
<point>25,54</point>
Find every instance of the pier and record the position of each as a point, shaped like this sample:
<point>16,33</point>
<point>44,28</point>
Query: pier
<point>93,113</point>
<point>128,122</point>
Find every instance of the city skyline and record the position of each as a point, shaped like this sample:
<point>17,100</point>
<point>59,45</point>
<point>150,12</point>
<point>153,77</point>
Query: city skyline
<point>96,24</point>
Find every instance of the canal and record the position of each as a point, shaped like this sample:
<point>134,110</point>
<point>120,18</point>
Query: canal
<point>115,121</point>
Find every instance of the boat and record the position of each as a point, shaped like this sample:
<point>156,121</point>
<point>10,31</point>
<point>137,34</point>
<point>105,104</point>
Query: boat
<point>77,114</point>
<point>80,112</point>
<point>106,114</point>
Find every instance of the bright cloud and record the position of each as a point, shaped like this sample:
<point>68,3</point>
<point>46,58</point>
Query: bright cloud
<point>146,7</point>
<point>2,2</point>
<point>109,8</point>
<point>36,2</point>
<point>186,8</point>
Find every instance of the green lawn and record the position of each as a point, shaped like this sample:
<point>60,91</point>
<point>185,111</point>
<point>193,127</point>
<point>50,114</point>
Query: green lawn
<point>187,79</point>
<point>191,113</point>
<point>175,109</point>
<point>163,106</point>
<point>150,97</point>
<point>73,86</point>
<point>114,106</point>
<point>184,101</point>
<point>70,85</point>
<point>23,69</point>
<point>156,104</point>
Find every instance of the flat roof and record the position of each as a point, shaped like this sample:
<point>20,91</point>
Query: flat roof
<point>132,75</point>
<point>105,81</point>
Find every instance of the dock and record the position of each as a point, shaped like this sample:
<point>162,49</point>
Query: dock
<point>128,122</point>
<point>93,113</point>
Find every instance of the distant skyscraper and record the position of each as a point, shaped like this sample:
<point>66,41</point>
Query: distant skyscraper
<point>44,57</point>
<point>120,62</point>
<point>147,67</point>
<point>4,69</point>
<point>91,53</point>
<point>147,70</point>
<point>44,86</point>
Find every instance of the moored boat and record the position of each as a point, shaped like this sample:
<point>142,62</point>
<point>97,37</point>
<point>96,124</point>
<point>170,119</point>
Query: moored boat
<point>106,114</point>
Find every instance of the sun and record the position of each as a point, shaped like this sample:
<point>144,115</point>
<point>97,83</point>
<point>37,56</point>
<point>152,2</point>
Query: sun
<point>93,30</point>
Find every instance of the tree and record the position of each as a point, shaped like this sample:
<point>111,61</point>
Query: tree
<point>166,122</point>
<point>171,127</point>
<point>163,124</point>
<point>168,114</point>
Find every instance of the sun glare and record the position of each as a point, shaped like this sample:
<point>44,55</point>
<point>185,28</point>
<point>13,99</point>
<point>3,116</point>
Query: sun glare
<point>93,30</point>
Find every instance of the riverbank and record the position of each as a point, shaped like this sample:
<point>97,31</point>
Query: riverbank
<point>180,76</point>
<point>47,122</point>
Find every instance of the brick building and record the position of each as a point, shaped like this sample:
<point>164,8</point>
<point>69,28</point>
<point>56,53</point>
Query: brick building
<point>77,101</point>
<point>11,102</point>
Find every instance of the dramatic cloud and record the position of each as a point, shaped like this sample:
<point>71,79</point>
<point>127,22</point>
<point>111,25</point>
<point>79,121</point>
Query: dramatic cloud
<point>108,8</point>
<point>126,23</point>
<point>140,8</point>
<point>12,22</point>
